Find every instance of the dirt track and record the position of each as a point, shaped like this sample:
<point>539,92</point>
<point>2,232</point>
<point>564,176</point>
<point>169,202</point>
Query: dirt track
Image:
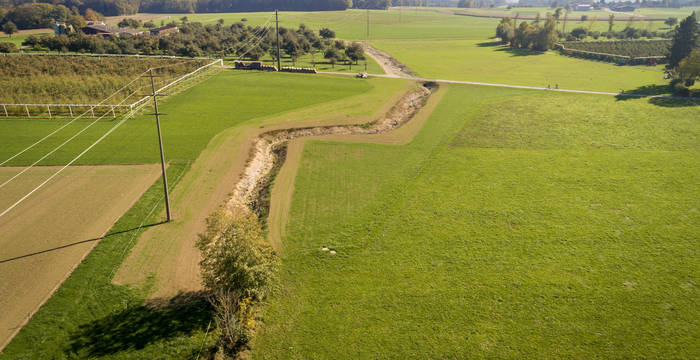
<point>43,239</point>
<point>168,251</point>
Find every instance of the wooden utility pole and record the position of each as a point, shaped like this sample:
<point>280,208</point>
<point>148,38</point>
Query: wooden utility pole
<point>277,29</point>
<point>160,142</point>
<point>367,24</point>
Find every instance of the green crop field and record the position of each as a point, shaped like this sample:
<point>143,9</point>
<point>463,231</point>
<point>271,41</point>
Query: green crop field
<point>517,224</point>
<point>91,317</point>
<point>486,61</point>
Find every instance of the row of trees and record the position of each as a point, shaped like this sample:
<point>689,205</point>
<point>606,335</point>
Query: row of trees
<point>107,7</point>
<point>79,79</point>
<point>41,15</point>
<point>195,39</point>
<point>628,33</point>
<point>631,48</point>
<point>536,36</point>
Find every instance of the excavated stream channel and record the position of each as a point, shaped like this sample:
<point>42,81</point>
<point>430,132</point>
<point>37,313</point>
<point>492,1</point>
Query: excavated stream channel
<point>269,149</point>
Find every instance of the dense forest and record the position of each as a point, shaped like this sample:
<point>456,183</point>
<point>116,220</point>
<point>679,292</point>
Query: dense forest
<point>33,13</point>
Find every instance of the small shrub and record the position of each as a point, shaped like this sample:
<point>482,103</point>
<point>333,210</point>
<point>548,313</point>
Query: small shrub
<point>239,269</point>
<point>7,47</point>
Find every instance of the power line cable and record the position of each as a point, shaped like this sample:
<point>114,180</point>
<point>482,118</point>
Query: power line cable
<point>115,127</point>
<point>84,113</point>
<point>258,34</point>
<point>59,146</point>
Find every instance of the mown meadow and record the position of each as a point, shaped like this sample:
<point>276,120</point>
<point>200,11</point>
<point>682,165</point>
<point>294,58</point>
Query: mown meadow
<point>435,43</point>
<point>487,61</point>
<point>517,224</point>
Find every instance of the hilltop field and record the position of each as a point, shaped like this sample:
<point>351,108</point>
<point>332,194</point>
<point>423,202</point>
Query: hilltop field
<point>496,223</point>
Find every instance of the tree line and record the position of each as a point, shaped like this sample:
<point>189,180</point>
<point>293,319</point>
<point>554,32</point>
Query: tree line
<point>540,36</point>
<point>41,13</point>
<point>196,39</point>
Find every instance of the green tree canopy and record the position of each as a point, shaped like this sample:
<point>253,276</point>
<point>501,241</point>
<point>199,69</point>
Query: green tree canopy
<point>685,40</point>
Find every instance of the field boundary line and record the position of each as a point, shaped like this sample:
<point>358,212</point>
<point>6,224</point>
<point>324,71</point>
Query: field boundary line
<point>115,127</point>
<point>172,83</point>
<point>526,87</point>
<point>56,148</point>
<point>72,121</point>
<point>67,275</point>
<point>109,55</point>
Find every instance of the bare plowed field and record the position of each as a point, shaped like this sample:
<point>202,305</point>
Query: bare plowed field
<point>44,238</point>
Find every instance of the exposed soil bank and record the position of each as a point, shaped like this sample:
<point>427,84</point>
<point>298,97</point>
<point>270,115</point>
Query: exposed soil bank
<point>390,65</point>
<point>253,188</point>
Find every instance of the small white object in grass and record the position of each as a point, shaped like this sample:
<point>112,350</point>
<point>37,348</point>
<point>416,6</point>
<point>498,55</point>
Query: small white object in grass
<point>332,252</point>
<point>325,249</point>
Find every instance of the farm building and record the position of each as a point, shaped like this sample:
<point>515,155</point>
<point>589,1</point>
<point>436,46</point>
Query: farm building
<point>101,29</point>
<point>623,8</point>
<point>582,7</point>
<point>165,30</point>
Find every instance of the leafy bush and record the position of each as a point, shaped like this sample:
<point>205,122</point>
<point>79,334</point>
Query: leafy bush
<point>7,47</point>
<point>239,269</point>
<point>579,33</point>
<point>327,33</point>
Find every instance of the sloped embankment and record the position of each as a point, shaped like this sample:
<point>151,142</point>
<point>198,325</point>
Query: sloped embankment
<point>267,153</point>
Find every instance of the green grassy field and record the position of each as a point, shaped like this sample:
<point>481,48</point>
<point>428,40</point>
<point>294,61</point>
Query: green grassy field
<point>225,100</point>
<point>352,24</point>
<point>16,39</point>
<point>89,317</point>
<point>661,13</point>
<point>465,50</point>
<point>395,24</point>
<point>517,224</point>
<point>670,12</point>
<point>486,61</point>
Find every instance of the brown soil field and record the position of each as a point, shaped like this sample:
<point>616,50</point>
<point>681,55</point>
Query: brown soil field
<point>44,238</point>
<point>169,250</point>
